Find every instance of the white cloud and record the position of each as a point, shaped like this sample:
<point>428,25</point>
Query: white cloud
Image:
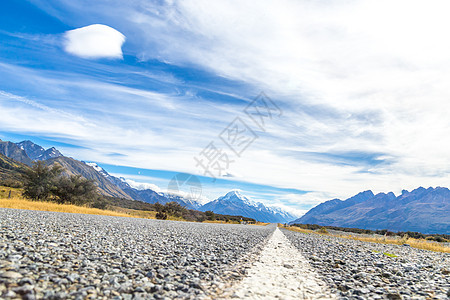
<point>290,209</point>
<point>180,193</point>
<point>94,41</point>
<point>143,185</point>
<point>350,58</point>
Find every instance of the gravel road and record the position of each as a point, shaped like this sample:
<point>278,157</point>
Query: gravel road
<point>56,255</point>
<point>47,255</point>
<point>359,270</point>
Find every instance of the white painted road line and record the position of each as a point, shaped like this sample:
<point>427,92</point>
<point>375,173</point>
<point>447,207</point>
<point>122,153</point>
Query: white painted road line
<point>281,272</point>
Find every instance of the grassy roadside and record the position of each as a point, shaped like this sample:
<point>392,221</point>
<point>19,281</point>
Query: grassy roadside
<point>415,243</point>
<point>16,201</point>
<point>20,203</point>
<point>4,192</point>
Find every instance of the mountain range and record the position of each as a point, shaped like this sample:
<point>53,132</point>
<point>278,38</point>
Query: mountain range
<point>26,152</point>
<point>422,210</point>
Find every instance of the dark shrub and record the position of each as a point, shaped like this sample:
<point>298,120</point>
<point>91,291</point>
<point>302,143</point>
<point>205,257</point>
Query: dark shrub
<point>100,203</point>
<point>9,182</point>
<point>161,216</point>
<point>210,215</point>
<point>75,190</point>
<point>39,181</point>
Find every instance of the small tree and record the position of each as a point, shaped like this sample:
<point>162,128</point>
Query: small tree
<point>159,207</point>
<point>174,209</point>
<point>39,180</point>
<point>323,230</point>
<point>210,215</point>
<point>75,189</point>
<point>161,216</point>
<point>100,203</point>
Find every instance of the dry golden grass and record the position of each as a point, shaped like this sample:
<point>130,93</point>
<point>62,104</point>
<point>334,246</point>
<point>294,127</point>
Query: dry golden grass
<point>145,214</point>
<point>4,192</point>
<point>415,243</point>
<point>20,203</point>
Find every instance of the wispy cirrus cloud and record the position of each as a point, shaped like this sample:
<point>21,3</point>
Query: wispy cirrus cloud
<point>363,86</point>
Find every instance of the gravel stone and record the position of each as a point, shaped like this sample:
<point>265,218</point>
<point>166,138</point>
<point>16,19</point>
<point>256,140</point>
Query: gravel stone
<point>367,273</point>
<point>49,255</point>
<point>10,275</point>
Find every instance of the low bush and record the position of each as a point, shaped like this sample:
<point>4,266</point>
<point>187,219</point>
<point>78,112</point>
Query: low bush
<point>323,230</point>
<point>9,182</point>
<point>161,216</point>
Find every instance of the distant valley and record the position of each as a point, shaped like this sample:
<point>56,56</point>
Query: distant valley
<point>26,152</point>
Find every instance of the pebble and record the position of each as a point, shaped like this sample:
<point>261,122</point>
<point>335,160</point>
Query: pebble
<point>10,275</point>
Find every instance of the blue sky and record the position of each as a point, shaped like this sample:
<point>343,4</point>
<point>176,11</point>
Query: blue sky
<point>143,87</point>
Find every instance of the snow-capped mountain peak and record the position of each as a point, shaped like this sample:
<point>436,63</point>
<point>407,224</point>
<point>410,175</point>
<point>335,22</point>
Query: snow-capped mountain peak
<point>234,203</point>
<point>36,152</point>
<point>236,197</point>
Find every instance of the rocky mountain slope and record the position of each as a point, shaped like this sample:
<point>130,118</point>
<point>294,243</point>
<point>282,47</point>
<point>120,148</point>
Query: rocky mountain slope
<point>146,195</point>
<point>76,167</point>
<point>36,152</point>
<point>13,151</point>
<point>422,210</point>
<point>233,203</point>
<point>10,169</point>
<point>27,152</point>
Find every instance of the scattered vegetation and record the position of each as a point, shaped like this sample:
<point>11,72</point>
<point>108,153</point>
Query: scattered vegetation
<point>10,192</point>
<point>47,185</point>
<point>9,182</point>
<point>387,239</point>
<point>175,211</point>
<point>441,238</point>
<point>76,188</point>
<point>323,230</point>
<point>389,254</point>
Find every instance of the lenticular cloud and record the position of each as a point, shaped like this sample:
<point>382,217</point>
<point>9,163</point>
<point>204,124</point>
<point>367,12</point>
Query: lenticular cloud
<point>94,41</point>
